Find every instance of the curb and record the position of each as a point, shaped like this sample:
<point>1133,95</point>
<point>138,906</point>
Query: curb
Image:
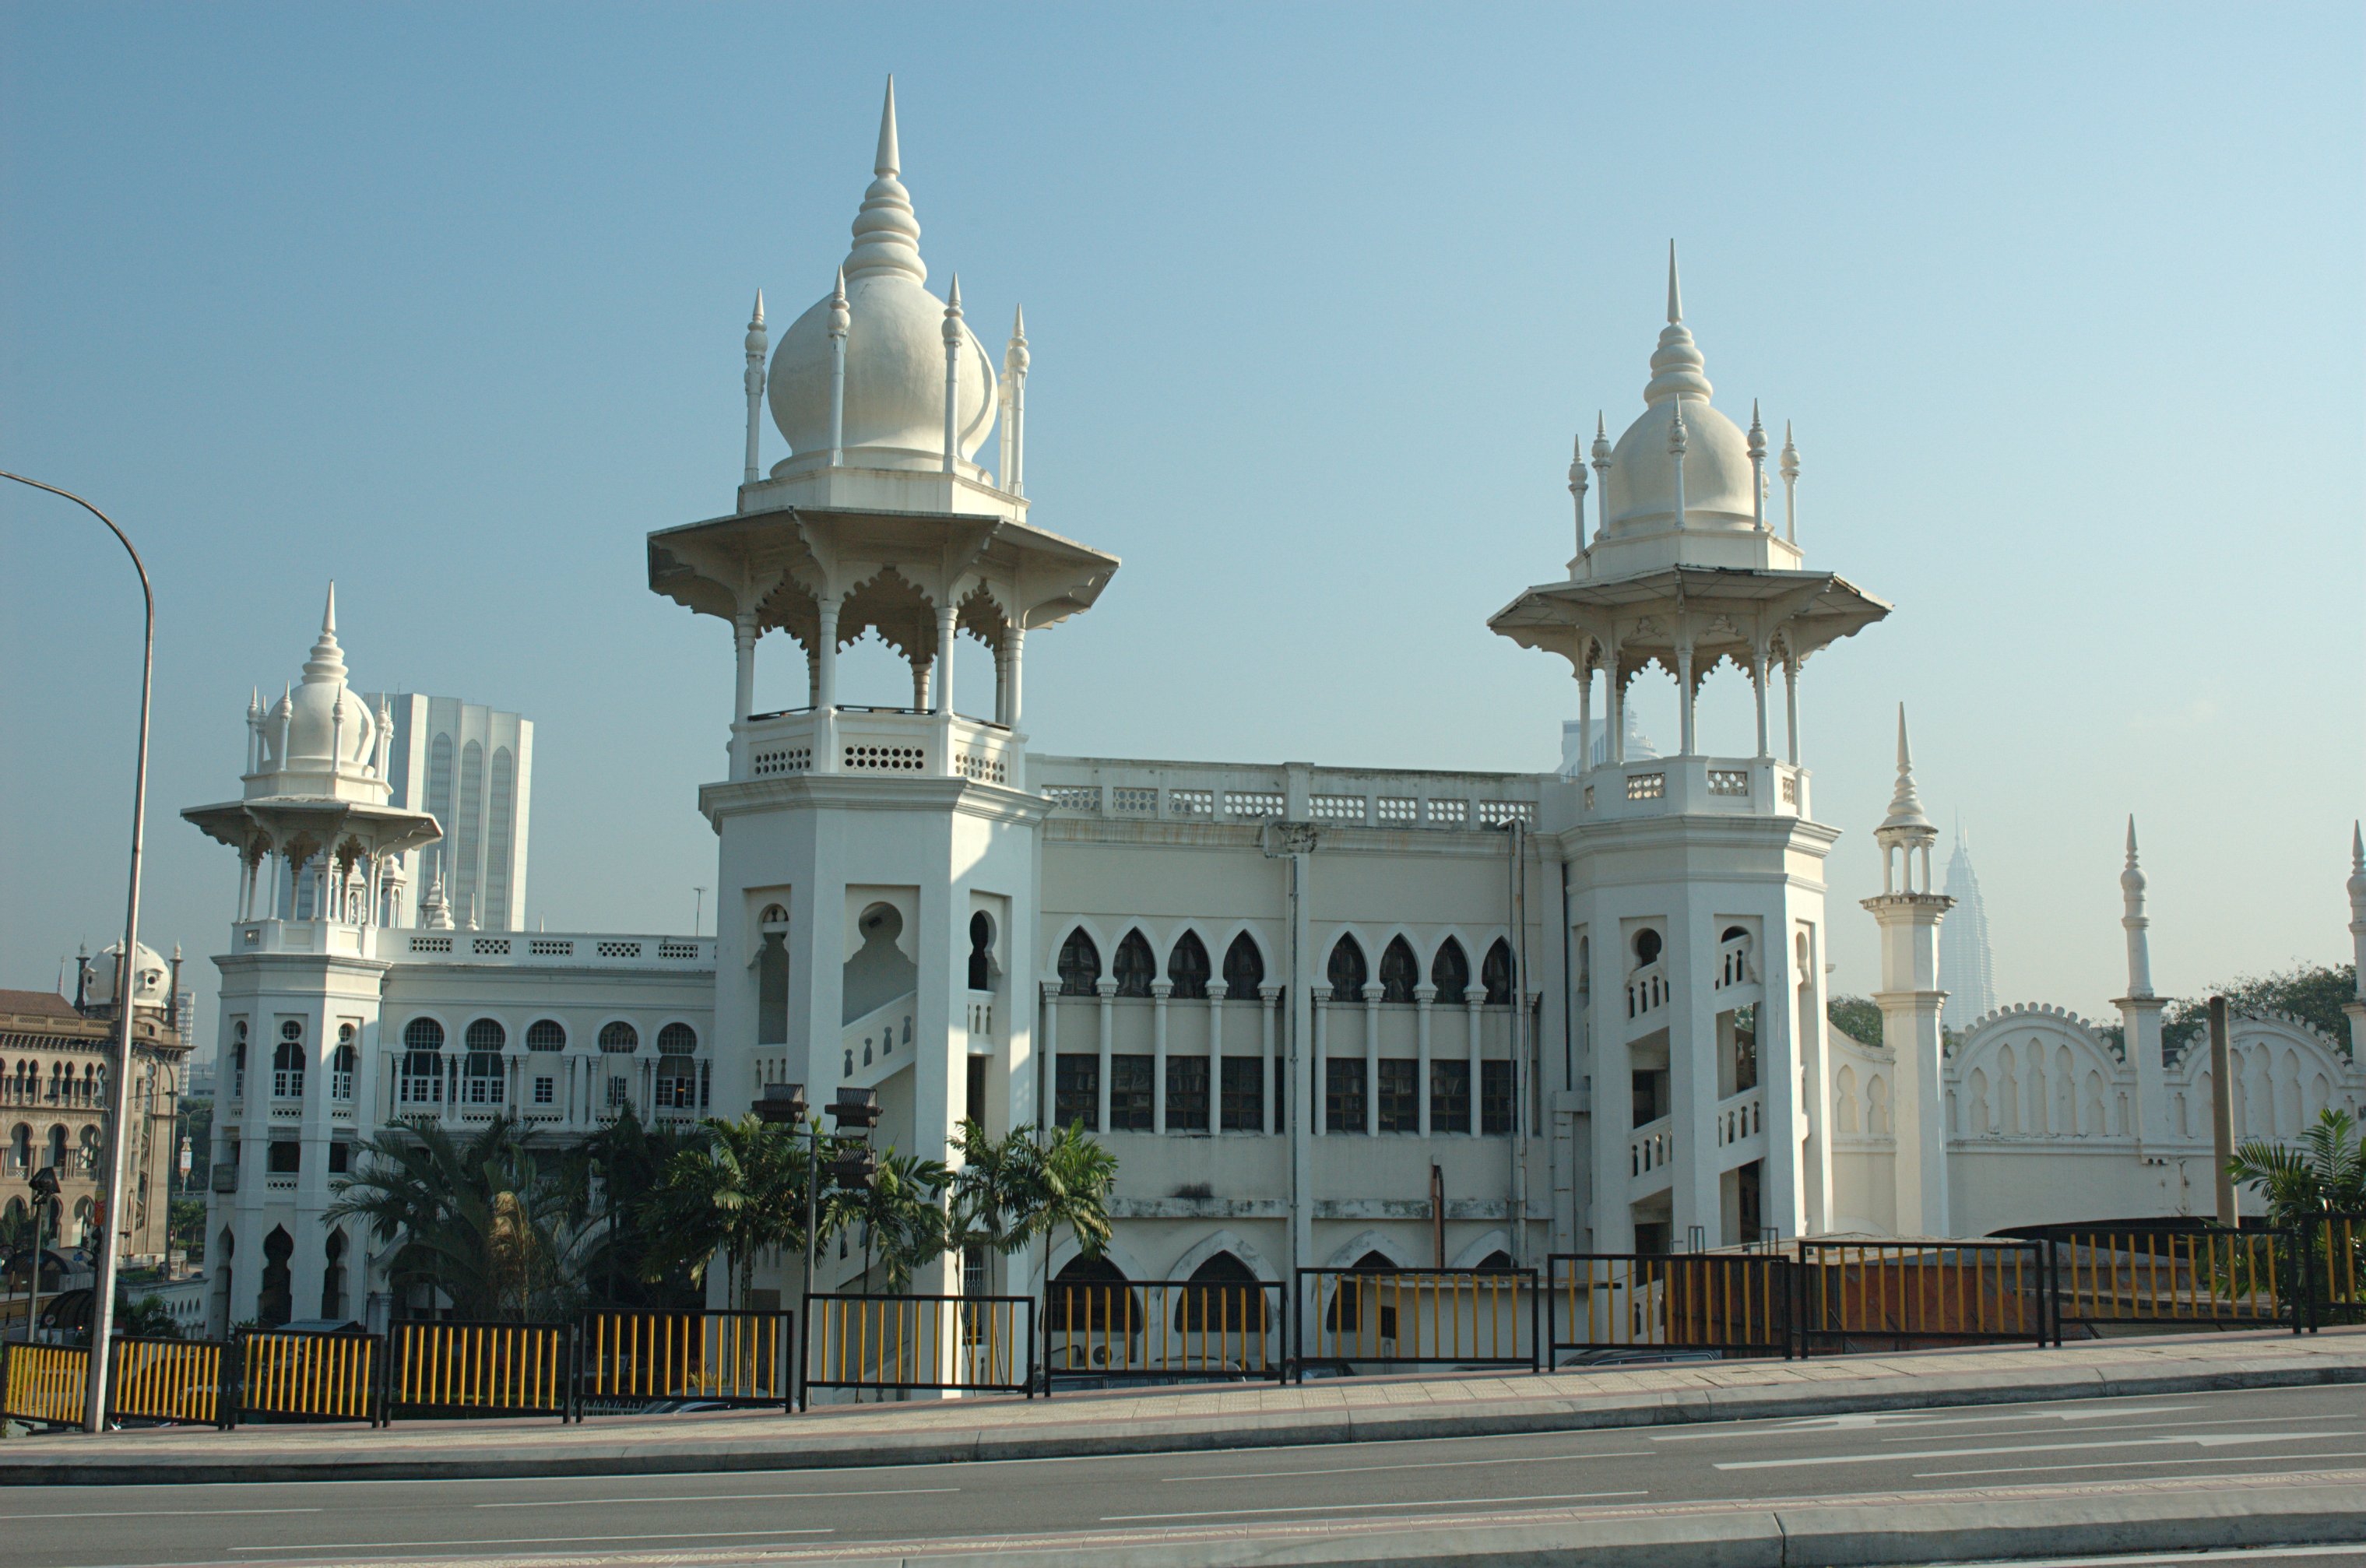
<point>521,1459</point>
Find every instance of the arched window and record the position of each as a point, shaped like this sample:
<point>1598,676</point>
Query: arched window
<point>1400,971</point>
<point>677,1073</point>
<point>1495,974</point>
<point>677,1040</point>
<point>1136,967</point>
<point>482,1073</point>
<point>1224,1296</point>
<point>620,1039</point>
<point>421,1081</point>
<point>57,1147</point>
<point>1188,967</point>
<point>1347,971</point>
<point>1089,1296</point>
<point>333,1276</point>
<point>1080,965</point>
<point>1451,972</point>
<point>980,952</point>
<point>1647,946</point>
<point>485,1034</point>
<point>288,1063</point>
<point>1347,1315</point>
<point>773,976</point>
<point>21,1148</point>
<point>423,1035</point>
<point>1244,969</point>
<point>546,1035</point>
<point>276,1304</point>
<point>342,1063</point>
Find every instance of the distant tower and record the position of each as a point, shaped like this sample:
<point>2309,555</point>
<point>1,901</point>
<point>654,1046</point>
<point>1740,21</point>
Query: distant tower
<point>2356,1005</point>
<point>1908,914</point>
<point>1966,971</point>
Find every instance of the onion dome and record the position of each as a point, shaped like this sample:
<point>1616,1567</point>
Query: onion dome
<point>895,334</point>
<point>325,719</point>
<point>152,976</point>
<point>1641,492</point>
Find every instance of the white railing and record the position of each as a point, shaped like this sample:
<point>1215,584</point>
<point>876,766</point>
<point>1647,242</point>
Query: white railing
<point>1647,991</point>
<point>1219,792</point>
<point>980,1017</point>
<point>901,742</point>
<point>879,1042</point>
<point>1669,786</point>
<point>1733,963</point>
<point>545,950</point>
<point>1650,1148</point>
<point>1741,1117</point>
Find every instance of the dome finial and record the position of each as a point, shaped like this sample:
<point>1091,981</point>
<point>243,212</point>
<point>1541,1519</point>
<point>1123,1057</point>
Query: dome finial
<point>1677,363</point>
<point>886,233</point>
<point>1905,802</point>
<point>328,661</point>
<point>329,615</point>
<point>1676,293</point>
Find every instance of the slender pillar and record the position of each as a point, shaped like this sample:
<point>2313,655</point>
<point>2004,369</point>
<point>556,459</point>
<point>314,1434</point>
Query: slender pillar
<point>1317,1112</point>
<point>1585,712</point>
<point>753,380</point>
<point>1423,997</point>
<point>1791,706</point>
<point>952,331</point>
<point>1105,989</point>
<point>825,657</point>
<point>1160,990</point>
<point>921,670</point>
<point>1015,360</point>
<point>1577,494</point>
<point>840,319</point>
<point>1614,706</point>
<point>944,680</point>
<point>1047,1062</point>
<point>1758,689</point>
<point>1215,1060</point>
<point>1684,696</point>
<point>1601,478</point>
<point>743,649</point>
<point>1790,486</point>
<point>1015,639</point>
<point>1757,469</point>
<point>1473,994</point>
<point>1269,1021</point>
<point>1372,1057</point>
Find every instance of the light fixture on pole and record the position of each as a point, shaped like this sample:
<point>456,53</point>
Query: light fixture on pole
<point>118,1084</point>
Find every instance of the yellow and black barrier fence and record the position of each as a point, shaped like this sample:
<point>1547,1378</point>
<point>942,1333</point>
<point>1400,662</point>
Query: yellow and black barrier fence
<point>630,1358</point>
<point>169,1380</point>
<point>1609,1306</point>
<point>1879,1295</point>
<point>2174,1275</point>
<point>1469,1317</point>
<point>973,1344</point>
<point>1165,1330</point>
<point>511,1368</point>
<point>46,1383</point>
<point>312,1377</point>
<point>2336,1251</point>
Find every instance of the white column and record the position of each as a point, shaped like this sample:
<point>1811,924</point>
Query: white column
<point>1473,994</point>
<point>1613,705</point>
<point>1684,696</point>
<point>1696,1195</point>
<point>1216,1059</point>
<point>946,612</point>
<point>1585,718</point>
<point>1781,1186</point>
<point>1758,689</point>
<point>1791,704</point>
<point>825,655</point>
<point>743,647</point>
<point>1105,989</point>
<point>1016,637</point>
<point>1909,999</point>
<point>1372,1057</point>
<point>1047,1065</point>
<point>1268,1018</point>
<point>921,671</point>
<point>1159,991</point>
<point>1423,996</point>
<point>1317,1112</point>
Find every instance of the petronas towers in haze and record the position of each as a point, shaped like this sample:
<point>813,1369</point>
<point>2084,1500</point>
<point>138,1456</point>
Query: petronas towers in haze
<point>1966,972</point>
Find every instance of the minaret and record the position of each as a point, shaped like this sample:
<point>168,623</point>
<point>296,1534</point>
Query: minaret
<point>1909,913</point>
<point>1790,486</point>
<point>2140,1009</point>
<point>254,730</point>
<point>1577,492</point>
<point>2356,1005</point>
<point>1757,469</point>
<point>952,331</point>
<point>842,321</point>
<point>758,346</point>
<point>1015,360</point>
<point>1601,455</point>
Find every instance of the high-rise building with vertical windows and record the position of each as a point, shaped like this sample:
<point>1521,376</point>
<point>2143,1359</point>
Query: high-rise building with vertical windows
<point>1966,972</point>
<point>471,767</point>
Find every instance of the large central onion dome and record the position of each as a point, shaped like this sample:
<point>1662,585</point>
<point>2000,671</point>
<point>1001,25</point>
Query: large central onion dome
<point>315,731</point>
<point>895,347</point>
<point>1641,489</point>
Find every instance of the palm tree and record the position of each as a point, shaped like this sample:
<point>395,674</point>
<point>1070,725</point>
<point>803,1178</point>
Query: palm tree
<point>1013,1190</point>
<point>2323,1180</point>
<point>606,1176</point>
<point>481,1222</point>
<point>903,1215</point>
<point>742,1193</point>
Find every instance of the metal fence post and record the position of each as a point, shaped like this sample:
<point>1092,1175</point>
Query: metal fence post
<point>1031,1355</point>
<point>804,1338</point>
<point>2302,1245</point>
<point>1535,1316</point>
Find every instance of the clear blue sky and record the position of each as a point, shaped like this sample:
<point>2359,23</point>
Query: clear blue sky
<point>445,303</point>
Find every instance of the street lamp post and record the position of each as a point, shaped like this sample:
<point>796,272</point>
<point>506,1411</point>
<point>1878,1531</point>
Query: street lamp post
<point>118,1084</point>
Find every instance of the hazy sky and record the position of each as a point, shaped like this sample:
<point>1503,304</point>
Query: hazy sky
<point>447,304</point>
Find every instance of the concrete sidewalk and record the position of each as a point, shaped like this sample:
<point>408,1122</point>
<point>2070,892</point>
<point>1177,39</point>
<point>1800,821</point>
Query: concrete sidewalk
<point>1193,1417</point>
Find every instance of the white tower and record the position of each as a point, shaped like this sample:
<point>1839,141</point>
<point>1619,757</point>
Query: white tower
<point>1909,912</point>
<point>875,861</point>
<point>1696,904</point>
<point>2140,1009</point>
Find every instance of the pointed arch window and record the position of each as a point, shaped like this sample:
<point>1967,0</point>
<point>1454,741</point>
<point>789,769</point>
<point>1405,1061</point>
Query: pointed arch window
<point>1347,971</point>
<point>1243,970</point>
<point>343,1062</point>
<point>1223,1296</point>
<point>1080,965</point>
<point>1135,966</point>
<point>1400,971</point>
<point>1450,972</point>
<point>1496,975</point>
<point>980,952</point>
<point>1188,967</point>
<point>288,1063</point>
<point>423,1064</point>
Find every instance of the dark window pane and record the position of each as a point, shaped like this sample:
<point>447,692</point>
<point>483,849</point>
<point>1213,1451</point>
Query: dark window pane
<point>1400,1104</point>
<point>1343,1094</point>
<point>1347,970</point>
<point>1449,1097</point>
<point>1450,972</point>
<point>1244,969</point>
<point>1188,967</point>
<point>1131,1106</point>
<point>1244,1094</point>
<point>1399,972</point>
<point>1076,1096</point>
<point>1187,1094</point>
<point>1080,965</point>
<point>1496,975</point>
<point>1135,968</point>
<point>1494,1097</point>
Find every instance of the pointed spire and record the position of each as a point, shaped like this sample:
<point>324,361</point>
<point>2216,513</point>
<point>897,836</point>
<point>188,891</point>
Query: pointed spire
<point>1906,803</point>
<point>1015,359</point>
<point>886,233</point>
<point>2132,878</point>
<point>1676,292</point>
<point>329,615</point>
<point>953,333</point>
<point>328,661</point>
<point>1677,363</point>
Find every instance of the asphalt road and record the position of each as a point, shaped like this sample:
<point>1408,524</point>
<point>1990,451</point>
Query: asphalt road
<point>2213,1435</point>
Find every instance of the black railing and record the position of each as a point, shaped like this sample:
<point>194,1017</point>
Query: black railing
<point>1608,1306</point>
<point>1165,1330</point>
<point>939,1344</point>
<point>1468,1317</point>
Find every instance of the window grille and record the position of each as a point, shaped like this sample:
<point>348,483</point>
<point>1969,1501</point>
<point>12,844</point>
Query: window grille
<point>288,1063</point>
<point>1646,786</point>
<point>1450,813</point>
<point>1335,807</point>
<point>1495,1097</point>
<point>677,950</point>
<point>1254,803</point>
<point>1136,967</point>
<point>342,1064</point>
<point>422,1076</point>
<point>677,1040</point>
<point>1073,798</point>
<point>1243,970</point>
<point>550,947</point>
<point>1190,803</point>
<point>620,950</point>
<point>545,1092</point>
<point>1497,813</point>
<point>485,1034</point>
<point>431,944</point>
<point>1187,966</point>
<point>1080,965</point>
<point>1127,801</point>
<point>620,1092</point>
<point>1449,1097</point>
<point>1131,1094</point>
<point>1244,1109</point>
<point>620,1039</point>
<point>1343,1094</point>
<point>546,1035</point>
<point>1187,1094</point>
<point>493,946</point>
<point>482,1075</point>
<point>1077,1093</point>
<point>1399,1092</point>
<point>1396,811</point>
<point>1728,781</point>
<point>886,759</point>
<point>1347,972</point>
<point>1400,971</point>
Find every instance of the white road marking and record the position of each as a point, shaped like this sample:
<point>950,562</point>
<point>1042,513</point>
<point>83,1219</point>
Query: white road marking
<point>2198,1439</point>
<point>2133,1463</point>
<point>2144,1425</point>
<point>1424,1464</point>
<point>1450,1503</point>
<point>1920,1418</point>
<point>149,1513</point>
<point>723,1497</point>
<point>2143,1559</point>
<point>524,1540</point>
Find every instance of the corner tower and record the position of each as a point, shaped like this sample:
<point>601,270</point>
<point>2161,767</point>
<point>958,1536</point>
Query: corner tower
<point>1696,894</point>
<point>876,863</point>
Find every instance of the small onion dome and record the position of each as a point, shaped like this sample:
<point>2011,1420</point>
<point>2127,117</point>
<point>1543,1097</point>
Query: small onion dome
<point>314,726</point>
<point>1641,489</point>
<point>894,346</point>
<point>152,976</point>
